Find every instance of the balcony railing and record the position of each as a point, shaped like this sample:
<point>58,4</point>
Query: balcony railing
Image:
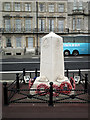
<point>22,30</point>
<point>35,30</point>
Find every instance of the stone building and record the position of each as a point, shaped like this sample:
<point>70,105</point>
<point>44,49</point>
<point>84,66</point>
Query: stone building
<point>24,22</point>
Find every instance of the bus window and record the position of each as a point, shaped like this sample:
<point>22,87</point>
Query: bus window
<point>68,39</point>
<point>81,39</point>
<point>88,39</point>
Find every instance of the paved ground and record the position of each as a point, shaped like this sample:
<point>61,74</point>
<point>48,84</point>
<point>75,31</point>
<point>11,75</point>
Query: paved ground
<point>43,111</point>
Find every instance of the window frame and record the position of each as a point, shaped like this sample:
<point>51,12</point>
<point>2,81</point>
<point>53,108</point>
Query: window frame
<point>8,42</point>
<point>41,25</point>
<point>9,29</point>
<point>19,25</point>
<point>4,6</point>
<point>51,25</point>
<point>20,6</point>
<point>44,7</point>
<point>17,43</point>
<point>49,10</point>
<point>60,29</point>
<point>30,6</point>
<point>76,25</point>
<point>30,24</point>
<point>63,7</point>
<point>31,47</point>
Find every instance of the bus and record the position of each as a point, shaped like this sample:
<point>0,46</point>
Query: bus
<point>76,45</point>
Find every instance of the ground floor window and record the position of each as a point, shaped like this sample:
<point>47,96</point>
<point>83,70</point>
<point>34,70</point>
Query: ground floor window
<point>8,42</point>
<point>18,41</point>
<point>30,42</point>
<point>61,25</point>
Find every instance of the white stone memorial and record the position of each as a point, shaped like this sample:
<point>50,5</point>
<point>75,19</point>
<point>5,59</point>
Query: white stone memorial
<point>52,61</point>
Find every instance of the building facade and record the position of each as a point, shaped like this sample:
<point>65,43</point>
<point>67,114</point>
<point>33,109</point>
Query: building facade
<point>24,22</point>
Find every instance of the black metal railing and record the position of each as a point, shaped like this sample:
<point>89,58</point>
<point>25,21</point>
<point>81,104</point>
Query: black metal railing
<point>39,30</point>
<point>31,96</point>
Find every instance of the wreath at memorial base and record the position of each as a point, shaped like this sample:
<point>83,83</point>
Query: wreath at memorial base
<point>65,88</point>
<point>42,86</point>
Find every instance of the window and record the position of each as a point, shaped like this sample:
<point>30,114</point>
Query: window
<point>27,7</point>
<point>51,25</point>
<point>30,42</point>
<point>73,23</point>
<point>51,7</point>
<point>17,7</point>
<point>61,25</point>
<point>7,25</point>
<point>41,24</point>
<point>7,6</point>
<point>41,7</point>
<point>18,25</point>
<point>81,39</point>
<point>78,24</point>
<point>76,39</point>
<point>61,8</point>
<point>8,42</point>
<point>80,5</point>
<point>68,39</point>
<point>75,5</point>
<point>27,24</point>
<point>18,42</point>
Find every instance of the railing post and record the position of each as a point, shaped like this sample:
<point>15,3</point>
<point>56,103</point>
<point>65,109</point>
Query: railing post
<point>5,89</point>
<point>30,75</point>
<point>67,72</point>
<point>51,94</point>
<point>79,73</point>
<point>23,75</point>
<point>86,81</point>
<point>73,75</point>
<point>36,72</point>
<point>17,80</point>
